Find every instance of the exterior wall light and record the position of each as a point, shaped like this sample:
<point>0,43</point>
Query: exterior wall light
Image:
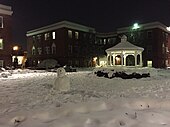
<point>168,28</point>
<point>15,48</point>
<point>135,26</point>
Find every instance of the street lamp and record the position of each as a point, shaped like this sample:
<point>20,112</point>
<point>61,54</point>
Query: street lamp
<point>15,48</point>
<point>135,26</point>
<point>168,28</point>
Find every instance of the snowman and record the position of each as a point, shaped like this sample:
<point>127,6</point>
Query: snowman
<point>62,82</point>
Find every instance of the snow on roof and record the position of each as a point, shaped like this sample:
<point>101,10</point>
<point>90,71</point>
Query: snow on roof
<point>124,45</point>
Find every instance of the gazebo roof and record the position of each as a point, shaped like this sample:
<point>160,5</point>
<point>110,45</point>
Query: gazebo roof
<point>124,45</point>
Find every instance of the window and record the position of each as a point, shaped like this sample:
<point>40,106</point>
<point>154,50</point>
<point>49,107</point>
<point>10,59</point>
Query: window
<point>53,48</point>
<point>104,41</point>
<point>167,50</point>
<point>1,22</point>
<point>70,49</point>
<point>47,50</point>
<point>1,43</point>
<point>149,34</point>
<point>53,35</point>
<point>33,50</point>
<point>70,34</point>
<point>76,35</point>
<point>1,63</point>
<point>38,37</point>
<point>47,36</point>
<point>39,50</point>
<point>149,63</point>
<point>84,35</point>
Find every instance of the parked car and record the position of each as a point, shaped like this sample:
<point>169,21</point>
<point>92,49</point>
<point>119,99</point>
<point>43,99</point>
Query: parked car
<point>69,68</point>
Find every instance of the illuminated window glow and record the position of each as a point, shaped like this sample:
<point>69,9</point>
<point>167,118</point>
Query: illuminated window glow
<point>1,22</point>
<point>149,63</point>
<point>33,50</point>
<point>54,35</point>
<point>47,36</point>
<point>70,34</point>
<point>1,43</point>
<point>76,35</point>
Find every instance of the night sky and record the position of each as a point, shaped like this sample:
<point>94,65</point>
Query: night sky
<point>104,15</point>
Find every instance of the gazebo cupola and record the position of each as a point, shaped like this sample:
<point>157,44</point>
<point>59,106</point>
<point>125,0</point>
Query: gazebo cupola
<point>124,54</point>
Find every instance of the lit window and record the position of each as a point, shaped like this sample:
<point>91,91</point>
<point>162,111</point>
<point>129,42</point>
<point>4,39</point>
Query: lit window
<point>167,50</point>
<point>76,35</point>
<point>53,48</point>
<point>1,63</point>
<point>47,36</point>
<point>149,63</point>
<point>104,41</point>
<point>70,34</point>
<point>1,43</point>
<point>33,50</point>
<point>1,22</point>
<point>53,34</point>
<point>39,50</point>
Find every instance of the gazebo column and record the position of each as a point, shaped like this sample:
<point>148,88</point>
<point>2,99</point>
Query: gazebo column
<point>107,59</point>
<point>121,58</point>
<point>135,58</point>
<point>141,59</point>
<point>125,59</point>
<point>110,60</point>
<point>113,59</point>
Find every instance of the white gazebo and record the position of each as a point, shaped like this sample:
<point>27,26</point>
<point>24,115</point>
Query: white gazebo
<point>124,54</point>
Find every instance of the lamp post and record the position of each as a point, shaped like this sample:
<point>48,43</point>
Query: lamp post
<point>134,32</point>
<point>15,49</point>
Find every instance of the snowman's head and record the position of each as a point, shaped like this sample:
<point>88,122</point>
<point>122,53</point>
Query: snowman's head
<point>61,72</point>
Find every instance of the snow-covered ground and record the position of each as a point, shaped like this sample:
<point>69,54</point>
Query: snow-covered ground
<point>28,99</point>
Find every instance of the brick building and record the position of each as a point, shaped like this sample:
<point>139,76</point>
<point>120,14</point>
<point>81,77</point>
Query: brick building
<point>154,38</point>
<point>68,43</point>
<point>81,46</point>
<point>5,35</point>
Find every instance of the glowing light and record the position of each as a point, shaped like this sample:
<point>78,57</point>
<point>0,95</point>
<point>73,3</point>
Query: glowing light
<point>168,28</point>
<point>135,26</point>
<point>117,58</point>
<point>15,48</point>
<point>95,58</point>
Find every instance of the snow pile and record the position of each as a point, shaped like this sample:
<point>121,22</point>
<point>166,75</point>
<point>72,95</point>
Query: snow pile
<point>28,99</point>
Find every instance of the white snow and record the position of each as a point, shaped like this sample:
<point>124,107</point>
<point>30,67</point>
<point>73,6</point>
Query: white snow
<point>28,99</point>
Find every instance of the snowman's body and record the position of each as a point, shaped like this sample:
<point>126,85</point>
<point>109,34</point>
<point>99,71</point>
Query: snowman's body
<point>62,82</point>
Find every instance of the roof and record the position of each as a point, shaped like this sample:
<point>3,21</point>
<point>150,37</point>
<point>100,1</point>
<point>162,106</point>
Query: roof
<point>58,25</point>
<point>124,45</point>
<point>145,26</point>
<point>6,10</point>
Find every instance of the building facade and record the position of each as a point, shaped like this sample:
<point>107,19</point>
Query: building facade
<point>81,46</point>
<point>69,43</point>
<point>154,38</point>
<point>5,35</point>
